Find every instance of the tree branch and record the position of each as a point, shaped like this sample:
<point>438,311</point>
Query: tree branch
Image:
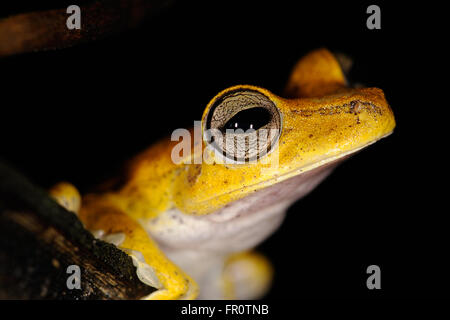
<point>38,241</point>
<point>46,30</point>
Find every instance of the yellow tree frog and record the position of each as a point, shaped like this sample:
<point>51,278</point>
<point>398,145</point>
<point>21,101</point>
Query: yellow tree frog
<point>191,226</point>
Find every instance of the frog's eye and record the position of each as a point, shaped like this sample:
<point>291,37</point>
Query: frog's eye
<point>243,125</point>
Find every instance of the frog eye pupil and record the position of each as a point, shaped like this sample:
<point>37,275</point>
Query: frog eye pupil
<point>254,118</point>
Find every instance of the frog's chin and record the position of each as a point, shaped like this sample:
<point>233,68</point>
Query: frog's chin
<point>241,224</point>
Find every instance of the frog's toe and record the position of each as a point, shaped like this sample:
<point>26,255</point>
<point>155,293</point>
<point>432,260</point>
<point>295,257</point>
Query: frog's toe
<point>168,294</point>
<point>182,290</point>
<point>67,196</point>
<point>144,271</point>
<point>247,275</point>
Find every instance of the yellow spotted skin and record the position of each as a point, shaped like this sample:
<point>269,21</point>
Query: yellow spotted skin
<point>322,120</point>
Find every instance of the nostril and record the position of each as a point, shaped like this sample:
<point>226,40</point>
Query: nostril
<point>356,107</point>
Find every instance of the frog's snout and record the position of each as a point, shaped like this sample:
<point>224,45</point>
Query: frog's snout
<point>373,109</point>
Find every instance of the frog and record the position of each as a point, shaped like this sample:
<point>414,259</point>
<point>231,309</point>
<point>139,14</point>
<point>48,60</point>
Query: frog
<point>191,226</point>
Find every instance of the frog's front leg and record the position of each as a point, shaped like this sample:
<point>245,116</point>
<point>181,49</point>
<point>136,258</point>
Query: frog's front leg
<point>153,267</point>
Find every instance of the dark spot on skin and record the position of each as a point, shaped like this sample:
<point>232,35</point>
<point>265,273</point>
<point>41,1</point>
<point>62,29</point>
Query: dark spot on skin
<point>310,135</point>
<point>353,107</point>
<point>193,173</point>
<point>225,181</point>
<point>303,113</point>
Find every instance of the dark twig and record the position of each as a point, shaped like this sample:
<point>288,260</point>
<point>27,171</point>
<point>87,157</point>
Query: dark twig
<point>39,240</point>
<point>45,30</point>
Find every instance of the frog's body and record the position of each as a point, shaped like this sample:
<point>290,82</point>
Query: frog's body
<point>186,224</point>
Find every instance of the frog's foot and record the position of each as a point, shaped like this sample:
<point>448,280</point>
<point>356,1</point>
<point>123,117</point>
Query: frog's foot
<point>172,283</point>
<point>148,275</point>
<point>246,275</point>
<point>67,196</point>
<point>152,266</point>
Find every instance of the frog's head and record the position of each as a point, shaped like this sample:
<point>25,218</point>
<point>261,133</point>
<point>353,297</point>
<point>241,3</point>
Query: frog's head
<point>303,136</point>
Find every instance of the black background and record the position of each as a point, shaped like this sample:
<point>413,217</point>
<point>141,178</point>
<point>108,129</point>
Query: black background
<point>78,113</point>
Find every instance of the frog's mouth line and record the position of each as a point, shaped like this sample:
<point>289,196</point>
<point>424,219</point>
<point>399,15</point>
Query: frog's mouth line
<point>298,171</point>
